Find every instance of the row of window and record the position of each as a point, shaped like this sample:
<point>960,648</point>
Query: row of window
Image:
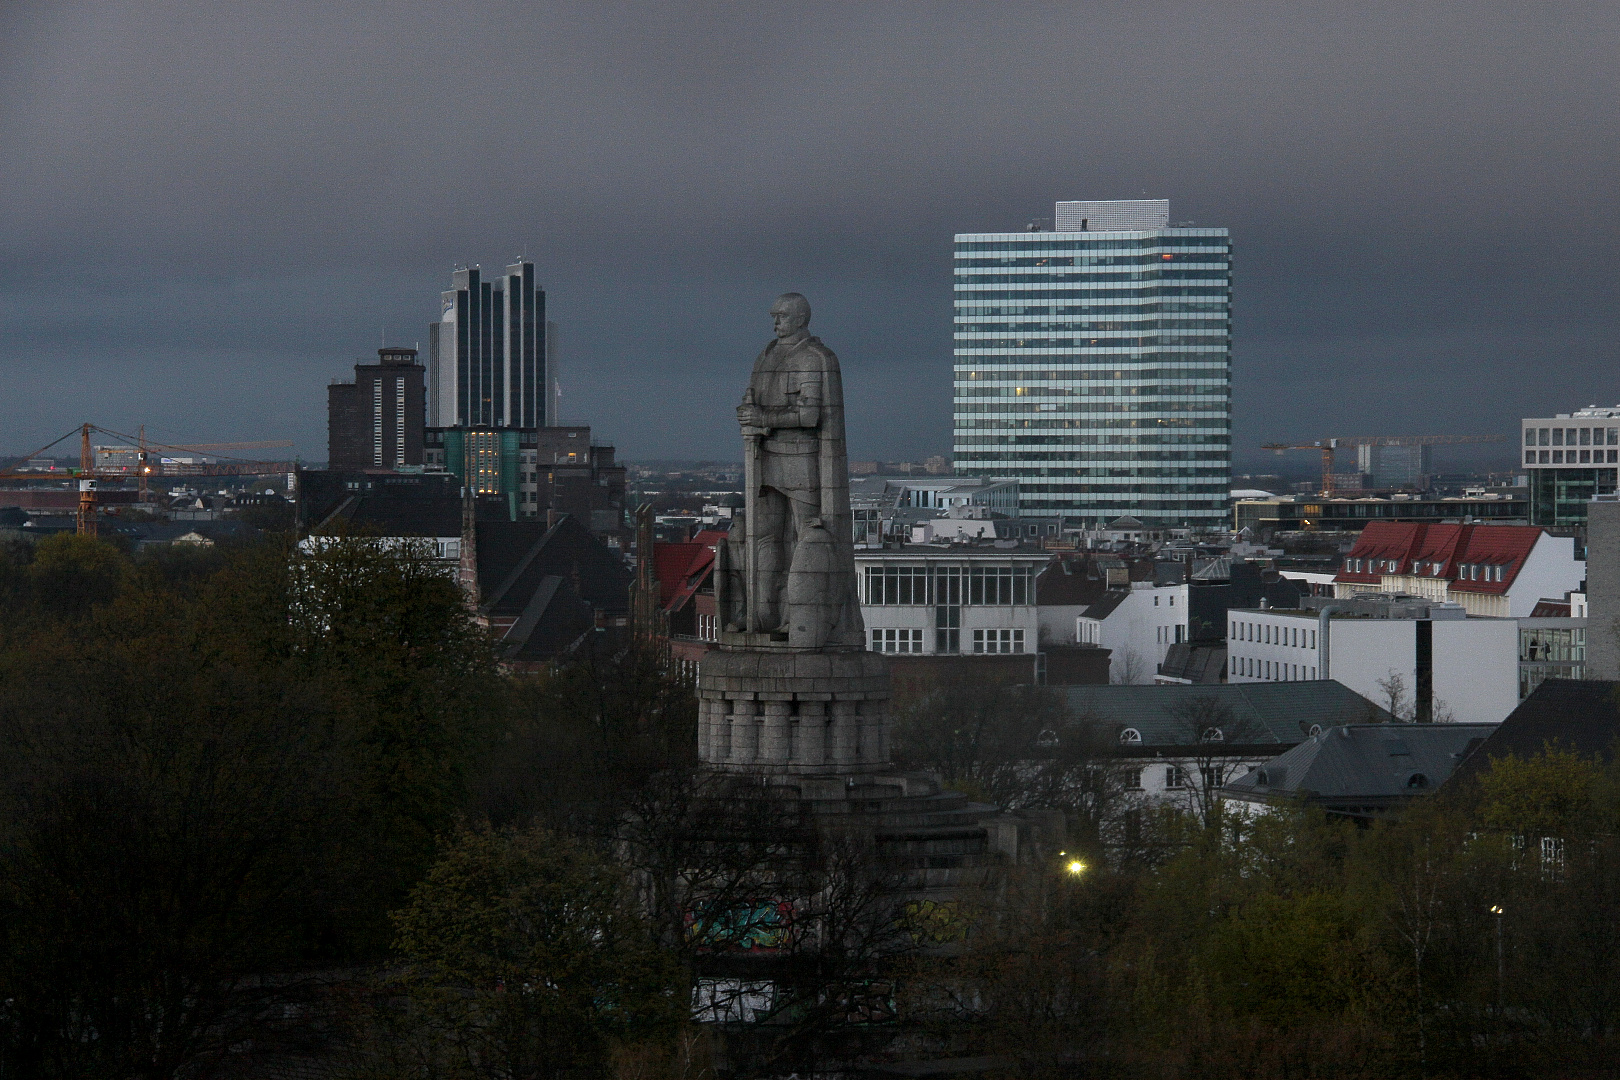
<point>1215,388</point>
<point>1567,457</point>
<point>970,307</point>
<point>1203,491</point>
<point>1091,440</point>
<point>1216,372</point>
<point>1096,457</point>
<point>1176,777</point>
<point>1553,644</point>
<point>1571,436</point>
<point>1117,353</point>
<point>1164,405</point>
<point>947,585</point>
<point>1296,637</point>
<point>1256,668</point>
<point>1159,240</point>
<point>909,639</point>
<point>1144,289</point>
<point>1211,322</point>
<point>1148,470</point>
<point>1089,260</point>
<point>1210,425</point>
<point>1430,568</point>
<point>1215,335</point>
<point>1218,272</point>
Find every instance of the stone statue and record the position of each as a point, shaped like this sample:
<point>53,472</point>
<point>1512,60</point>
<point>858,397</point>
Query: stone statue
<point>792,688</point>
<point>790,577</point>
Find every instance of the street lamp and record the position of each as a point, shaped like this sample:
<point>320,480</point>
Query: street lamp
<point>1497,910</point>
<point>1073,866</point>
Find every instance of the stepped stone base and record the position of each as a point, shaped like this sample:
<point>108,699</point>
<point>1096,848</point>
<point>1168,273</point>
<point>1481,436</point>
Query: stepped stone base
<point>779,710</point>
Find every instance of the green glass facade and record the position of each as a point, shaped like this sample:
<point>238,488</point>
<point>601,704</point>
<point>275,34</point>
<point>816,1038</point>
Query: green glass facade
<point>492,454</point>
<point>1558,497</point>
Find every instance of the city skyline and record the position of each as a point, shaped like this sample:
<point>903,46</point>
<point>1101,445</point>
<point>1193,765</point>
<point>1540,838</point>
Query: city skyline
<point>292,217</point>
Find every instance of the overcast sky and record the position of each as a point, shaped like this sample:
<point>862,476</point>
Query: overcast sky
<point>209,209</point>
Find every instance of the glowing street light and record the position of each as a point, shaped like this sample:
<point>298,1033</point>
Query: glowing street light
<point>1076,866</point>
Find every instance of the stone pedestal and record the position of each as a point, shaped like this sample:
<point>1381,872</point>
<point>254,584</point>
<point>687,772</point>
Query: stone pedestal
<point>798,711</point>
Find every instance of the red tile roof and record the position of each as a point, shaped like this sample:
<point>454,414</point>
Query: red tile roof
<point>1467,556</point>
<point>684,568</point>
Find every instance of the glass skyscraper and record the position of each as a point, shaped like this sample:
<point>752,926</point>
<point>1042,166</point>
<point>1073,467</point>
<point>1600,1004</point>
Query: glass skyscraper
<point>487,355</point>
<point>1093,364</point>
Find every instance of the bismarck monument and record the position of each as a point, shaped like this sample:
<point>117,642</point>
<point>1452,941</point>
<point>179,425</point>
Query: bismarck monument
<point>792,689</point>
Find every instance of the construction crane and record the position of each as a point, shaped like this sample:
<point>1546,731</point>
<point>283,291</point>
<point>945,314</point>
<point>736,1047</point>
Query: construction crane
<point>88,475</point>
<point>1326,447</point>
<point>145,467</point>
<point>85,474</point>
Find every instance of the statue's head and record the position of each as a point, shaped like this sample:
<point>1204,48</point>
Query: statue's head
<point>790,314</point>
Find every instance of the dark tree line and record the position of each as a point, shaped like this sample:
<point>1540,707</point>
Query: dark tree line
<point>258,802</point>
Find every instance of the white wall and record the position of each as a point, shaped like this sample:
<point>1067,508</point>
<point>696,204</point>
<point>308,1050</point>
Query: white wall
<point>1476,669</point>
<point>1058,623</point>
<point>1363,652</point>
<point>1140,631</point>
<point>1475,661</point>
<point>1291,650</point>
<point>1153,774</point>
<point>1550,571</point>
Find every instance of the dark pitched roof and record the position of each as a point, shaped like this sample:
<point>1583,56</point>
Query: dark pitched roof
<point>1578,715</point>
<point>1106,604</point>
<point>380,503</point>
<point>1082,579</point>
<point>1263,713</point>
<point>515,557</point>
<point>1069,582</point>
<point>552,583</point>
<point>1362,768</point>
<point>166,532</point>
<point>1199,661</point>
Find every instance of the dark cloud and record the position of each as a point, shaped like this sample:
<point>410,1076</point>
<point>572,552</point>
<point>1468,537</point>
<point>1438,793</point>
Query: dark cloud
<point>210,208</point>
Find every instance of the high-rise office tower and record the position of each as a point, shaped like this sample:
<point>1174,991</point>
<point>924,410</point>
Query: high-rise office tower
<point>487,353</point>
<point>1093,364</point>
<point>376,421</point>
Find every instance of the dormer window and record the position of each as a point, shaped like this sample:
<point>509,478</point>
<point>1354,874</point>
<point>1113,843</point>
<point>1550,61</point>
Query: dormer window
<point>1213,734</point>
<point>1130,735</point>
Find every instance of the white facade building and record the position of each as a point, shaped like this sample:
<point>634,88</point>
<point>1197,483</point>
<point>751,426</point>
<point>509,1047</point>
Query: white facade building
<point>1449,666</point>
<point>1093,364</point>
<point>1138,624</point>
<point>939,601</point>
<point>1501,571</point>
<point>1571,459</point>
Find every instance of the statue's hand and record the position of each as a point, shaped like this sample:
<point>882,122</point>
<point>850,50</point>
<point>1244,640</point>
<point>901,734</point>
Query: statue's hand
<point>750,415</point>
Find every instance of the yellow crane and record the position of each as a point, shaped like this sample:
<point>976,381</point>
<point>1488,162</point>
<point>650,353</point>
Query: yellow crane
<point>88,475</point>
